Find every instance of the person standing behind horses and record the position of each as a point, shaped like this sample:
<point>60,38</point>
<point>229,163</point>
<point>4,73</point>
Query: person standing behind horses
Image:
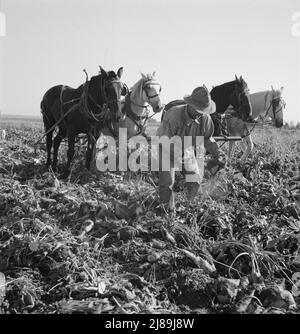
<point>190,119</point>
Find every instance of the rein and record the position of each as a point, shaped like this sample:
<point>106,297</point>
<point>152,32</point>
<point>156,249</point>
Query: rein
<point>83,102</point>
<point>82,105</point>
<point>134,117</point>
<point>139,121</point>
<point>272,104</point>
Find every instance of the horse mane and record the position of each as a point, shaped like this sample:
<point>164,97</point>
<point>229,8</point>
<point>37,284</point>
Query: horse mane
<point>112,75</point>
<point>139,84</point>
<point>137,88</point>
<point>242,84</point>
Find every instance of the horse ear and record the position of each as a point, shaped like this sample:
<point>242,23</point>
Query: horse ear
<point>272,88</point>
<point>236,78</point>
<point>153,74</point>
<point>104,73</point>
<point>143,75</point>
<point>282,89</point>
<point>120,72</point>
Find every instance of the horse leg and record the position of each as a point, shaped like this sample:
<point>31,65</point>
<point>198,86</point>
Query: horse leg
<point>59,137</point>
<point>249,143</point>
<point>71,149</point>
<point>49,147</point>
<point>89,152</point>
<point>230,151</point>
<point>47,125</point>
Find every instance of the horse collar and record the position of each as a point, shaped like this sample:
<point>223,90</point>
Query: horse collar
<point>129,112</point>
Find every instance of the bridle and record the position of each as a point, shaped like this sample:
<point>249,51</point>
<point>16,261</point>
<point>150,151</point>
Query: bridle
<point>275,101</point>
<point>240,103</point>
<point>146,84</point>
<point>145,88</point>
<point>140,121</point>
<point>273,104</point>
<point>104,85</point>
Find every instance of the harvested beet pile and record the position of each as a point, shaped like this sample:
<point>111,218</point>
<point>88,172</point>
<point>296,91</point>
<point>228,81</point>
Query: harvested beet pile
<point>97,243</point>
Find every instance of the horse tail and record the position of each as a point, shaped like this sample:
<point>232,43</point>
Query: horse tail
<point>45,110</point>
<point>48,107</point>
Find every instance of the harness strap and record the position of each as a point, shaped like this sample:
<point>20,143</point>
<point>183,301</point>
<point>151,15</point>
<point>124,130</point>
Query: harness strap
<point>152,83</point>
<point>134,117</point>
<point>73,108</point>
<point>271,104</point>
<point>112,130</point>
<point>71,101</point>
<point>85,110</point>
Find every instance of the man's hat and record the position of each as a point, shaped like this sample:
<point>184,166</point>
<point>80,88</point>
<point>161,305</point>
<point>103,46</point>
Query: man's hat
<point>201,101</point>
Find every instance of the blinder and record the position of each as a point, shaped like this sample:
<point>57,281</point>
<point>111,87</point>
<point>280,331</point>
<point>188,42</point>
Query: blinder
<point>125,90</point>
<point>103,86</point>
<point>275,103</point>
<point>147,85</point>
<point>109,83</point>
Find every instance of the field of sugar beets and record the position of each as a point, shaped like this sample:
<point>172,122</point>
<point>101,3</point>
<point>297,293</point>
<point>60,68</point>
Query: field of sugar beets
<point>97,243</point>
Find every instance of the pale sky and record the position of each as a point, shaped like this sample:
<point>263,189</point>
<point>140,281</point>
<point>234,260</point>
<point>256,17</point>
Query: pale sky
<point>187,42</point>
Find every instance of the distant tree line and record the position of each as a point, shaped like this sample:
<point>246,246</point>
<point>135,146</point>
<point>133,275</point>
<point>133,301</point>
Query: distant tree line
<point>291,125</point>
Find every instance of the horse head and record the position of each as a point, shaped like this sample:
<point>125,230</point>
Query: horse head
<point>278,104</point>
<point>108,88</point>
<point>240,99</point>
<point>151,90</point>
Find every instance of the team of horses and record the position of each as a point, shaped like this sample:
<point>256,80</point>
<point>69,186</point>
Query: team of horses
<point>85,109</point>
<point>104,104</point>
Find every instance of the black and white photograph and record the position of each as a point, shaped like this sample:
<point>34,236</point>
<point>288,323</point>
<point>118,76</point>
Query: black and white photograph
<point>150,159</point>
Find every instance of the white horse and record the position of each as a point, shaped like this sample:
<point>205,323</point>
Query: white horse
<point>142,98</point>
<point>266,105</point>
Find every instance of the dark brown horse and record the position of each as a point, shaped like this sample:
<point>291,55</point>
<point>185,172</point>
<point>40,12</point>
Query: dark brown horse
<point>235,93</point>
<point>86,109</point>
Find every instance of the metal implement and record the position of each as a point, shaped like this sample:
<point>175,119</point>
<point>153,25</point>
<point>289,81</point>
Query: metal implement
<point>230,138</point>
